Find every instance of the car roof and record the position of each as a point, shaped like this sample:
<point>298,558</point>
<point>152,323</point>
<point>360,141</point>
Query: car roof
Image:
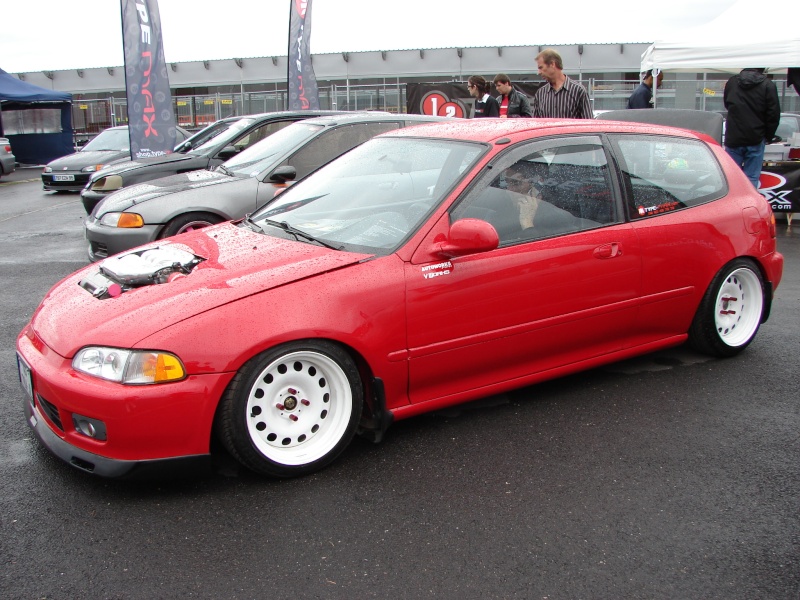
<point>493,130</point>
<point>370,116</point>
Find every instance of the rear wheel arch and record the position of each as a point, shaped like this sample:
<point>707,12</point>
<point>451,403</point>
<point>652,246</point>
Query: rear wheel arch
<point>732,308</point>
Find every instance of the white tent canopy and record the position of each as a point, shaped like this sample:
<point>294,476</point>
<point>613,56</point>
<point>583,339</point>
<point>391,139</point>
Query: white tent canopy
<point>748,34</point>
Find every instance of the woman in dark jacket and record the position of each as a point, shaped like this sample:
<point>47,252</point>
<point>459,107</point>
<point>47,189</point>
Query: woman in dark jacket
<point>485,105</point>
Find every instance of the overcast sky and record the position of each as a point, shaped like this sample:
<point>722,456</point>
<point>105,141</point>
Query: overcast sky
<point>48,35</point>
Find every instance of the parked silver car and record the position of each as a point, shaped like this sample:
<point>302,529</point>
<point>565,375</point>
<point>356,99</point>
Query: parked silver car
<point>168,206</point>
<point>7,160</point>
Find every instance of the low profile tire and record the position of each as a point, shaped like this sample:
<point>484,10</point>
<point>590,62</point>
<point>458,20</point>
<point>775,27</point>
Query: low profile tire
<point>189,222</point>
<point>730,312</point>
<point>291,410</point>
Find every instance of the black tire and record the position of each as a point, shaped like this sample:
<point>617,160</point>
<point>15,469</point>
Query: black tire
<point>189,222</point>
<point>731,310</point>
<point>291,410</point>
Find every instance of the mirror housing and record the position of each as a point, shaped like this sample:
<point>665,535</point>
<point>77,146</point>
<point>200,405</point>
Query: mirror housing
<point>283,174</point>
<point>469,236</point>
<point>227,152</point>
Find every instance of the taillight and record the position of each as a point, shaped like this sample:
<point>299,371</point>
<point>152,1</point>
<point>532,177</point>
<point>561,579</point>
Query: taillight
<point>8,149</point>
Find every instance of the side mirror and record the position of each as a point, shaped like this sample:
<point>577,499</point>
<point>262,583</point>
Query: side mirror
<point>283,174</point>
<point>227,152</point>
<point>469,236</point>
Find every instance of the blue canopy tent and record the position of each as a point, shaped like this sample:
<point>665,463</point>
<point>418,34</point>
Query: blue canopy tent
<point>37,121</point>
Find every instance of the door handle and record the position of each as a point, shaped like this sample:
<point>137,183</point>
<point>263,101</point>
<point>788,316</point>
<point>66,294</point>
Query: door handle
<point>611,250</point>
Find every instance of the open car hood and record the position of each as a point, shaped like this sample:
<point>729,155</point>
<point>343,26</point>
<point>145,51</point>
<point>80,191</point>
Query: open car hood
<point>227,263</point>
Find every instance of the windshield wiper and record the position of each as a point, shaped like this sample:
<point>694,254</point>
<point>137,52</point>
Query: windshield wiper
<point>299,233</point>
<point>225,170</point>
<point>252,224</point>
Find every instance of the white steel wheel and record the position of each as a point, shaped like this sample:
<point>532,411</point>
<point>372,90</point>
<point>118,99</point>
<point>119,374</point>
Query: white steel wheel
<point>293,410</point>
<point>738,307</point>
<point>730,313</point>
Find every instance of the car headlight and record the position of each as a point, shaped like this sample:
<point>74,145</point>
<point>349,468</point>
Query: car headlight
<point>91,168</point>
<point>48,170</point>
<point>122,219</point>
<point>132,367</point>
<point>109,183</point>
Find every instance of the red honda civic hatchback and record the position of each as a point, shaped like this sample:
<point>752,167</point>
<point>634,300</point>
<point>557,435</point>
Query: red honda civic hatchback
<point>426,268</point>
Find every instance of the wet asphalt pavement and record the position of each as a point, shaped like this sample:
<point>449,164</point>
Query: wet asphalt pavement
<point>672,476</point>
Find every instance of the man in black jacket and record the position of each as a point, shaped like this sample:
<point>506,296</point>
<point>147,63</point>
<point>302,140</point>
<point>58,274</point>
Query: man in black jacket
<point>513,104</point>
<point>754,112</point>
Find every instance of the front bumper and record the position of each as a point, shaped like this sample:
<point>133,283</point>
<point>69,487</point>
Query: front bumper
<point>106,241</point>
<point>141,424</point>
<point>81,179</point>
<point>91,198</point>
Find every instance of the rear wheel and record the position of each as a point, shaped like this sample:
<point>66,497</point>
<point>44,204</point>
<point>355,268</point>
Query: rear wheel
<point>189,222</point>
<point>730,313</point>
<point>292,410</point>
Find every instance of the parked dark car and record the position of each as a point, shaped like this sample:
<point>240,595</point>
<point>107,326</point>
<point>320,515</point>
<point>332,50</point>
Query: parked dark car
<point>208,148</point>
<point>171,205</point>
<point>71,173</point>
<point>7,160</point>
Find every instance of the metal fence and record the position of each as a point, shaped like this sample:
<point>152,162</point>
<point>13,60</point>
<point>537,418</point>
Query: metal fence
<point>90,117</point>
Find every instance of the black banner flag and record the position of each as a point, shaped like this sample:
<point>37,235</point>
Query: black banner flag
<point>151,118</point>
<point>303,93</point>
<point>780,185</point>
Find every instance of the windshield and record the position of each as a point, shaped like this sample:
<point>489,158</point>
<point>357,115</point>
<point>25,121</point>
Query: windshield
<point>110,139</point>
<point>216,133</point>
<point>373,197</point>
<point>225,132</point>
<point>264,154</point>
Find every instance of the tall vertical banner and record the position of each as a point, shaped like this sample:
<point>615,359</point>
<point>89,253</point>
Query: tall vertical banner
<point>151,118</point>
<point>303,93</point>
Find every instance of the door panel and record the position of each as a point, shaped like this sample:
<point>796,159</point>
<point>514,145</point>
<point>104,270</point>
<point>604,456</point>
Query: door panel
<point>519,310</point>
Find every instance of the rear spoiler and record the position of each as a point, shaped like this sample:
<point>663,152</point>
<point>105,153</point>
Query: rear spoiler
<point>704,121</point>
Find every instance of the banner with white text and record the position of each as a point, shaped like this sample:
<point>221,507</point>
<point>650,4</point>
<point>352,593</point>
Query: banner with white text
<point>151,118</point>
<point>303,93</point>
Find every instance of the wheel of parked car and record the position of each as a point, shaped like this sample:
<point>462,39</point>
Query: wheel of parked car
<point>189,222</point>
<point>293,409</point>
<point>730,312</point>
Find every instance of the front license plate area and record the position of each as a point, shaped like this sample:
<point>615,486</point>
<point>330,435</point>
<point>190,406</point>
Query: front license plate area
<point>25,377</point>
<point>63,177</point>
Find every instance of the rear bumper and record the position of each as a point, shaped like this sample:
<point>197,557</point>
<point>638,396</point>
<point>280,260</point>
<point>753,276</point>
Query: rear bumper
<point>7,164</point>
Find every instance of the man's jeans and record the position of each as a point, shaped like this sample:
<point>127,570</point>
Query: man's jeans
<point>749,158</point>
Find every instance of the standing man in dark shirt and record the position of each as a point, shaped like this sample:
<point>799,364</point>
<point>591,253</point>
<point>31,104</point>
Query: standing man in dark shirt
<point>642,96</point>
<point>754,112</point>
<point>559,97</point>
<point>513,104</point>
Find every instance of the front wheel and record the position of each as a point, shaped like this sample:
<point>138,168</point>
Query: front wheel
<point>730,312</point>
<point>189,222</point>
<point>292,410</point>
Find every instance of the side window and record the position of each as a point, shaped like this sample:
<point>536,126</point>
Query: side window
<point>559,190</point>
<point>259,133</point>
<point>663,174</point>
<point>333,143</point>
